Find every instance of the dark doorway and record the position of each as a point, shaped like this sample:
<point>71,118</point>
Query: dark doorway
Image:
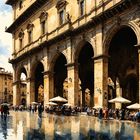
<point>86,73</point>
<point>123,62</point>
<point>39,83</point>
<point>60,74</point>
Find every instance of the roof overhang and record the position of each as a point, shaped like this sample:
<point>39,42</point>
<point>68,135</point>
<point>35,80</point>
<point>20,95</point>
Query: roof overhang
<point>10,2</point>
<point>24,16</point>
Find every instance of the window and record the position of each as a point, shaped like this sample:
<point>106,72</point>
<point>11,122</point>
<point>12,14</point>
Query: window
<point>81,8</point>
<point>43,27</point>
<point>61,17</point>
<point>61,8</point>
<point>20,43</point>
<point>20,4</point>
<point>30,32</point>
<point>43,18</point>
<point>5,91</point>
<point>29,36</point>
<point>21,36</point>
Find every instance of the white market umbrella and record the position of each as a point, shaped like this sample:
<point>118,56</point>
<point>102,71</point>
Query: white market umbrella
<point>97,107</point>
<point>134,106</point>
<point>119,100</point>
<point>35,103</point>
<point>52,103</point>
<point>58,99</point>
<point>67,104</point>
<point>6,104</point>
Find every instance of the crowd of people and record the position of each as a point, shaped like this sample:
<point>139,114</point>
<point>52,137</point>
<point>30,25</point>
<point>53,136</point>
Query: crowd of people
<point>120,114</point>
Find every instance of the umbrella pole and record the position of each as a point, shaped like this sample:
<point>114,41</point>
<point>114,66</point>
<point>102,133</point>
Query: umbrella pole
<point>118,105</point>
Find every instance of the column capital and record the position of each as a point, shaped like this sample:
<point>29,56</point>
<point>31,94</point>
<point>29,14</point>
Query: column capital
<point>70,64</point>
<point>101,56</point>
<point>138,47</point>
<point>48,72</point>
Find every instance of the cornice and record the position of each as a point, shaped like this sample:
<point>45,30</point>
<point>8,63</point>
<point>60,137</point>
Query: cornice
<point>24,16</point>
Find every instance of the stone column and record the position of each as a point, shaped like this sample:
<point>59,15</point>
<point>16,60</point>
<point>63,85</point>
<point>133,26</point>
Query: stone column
<point>16,93</point>
<point>100,80</point>
<point>138,46</point>
<point>30,95</point>
<point>48,86</point>
<point>73,81</point>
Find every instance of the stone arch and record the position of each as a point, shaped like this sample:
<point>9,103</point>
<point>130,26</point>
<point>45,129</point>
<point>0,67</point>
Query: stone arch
<point>54,58</point>
<point>20,70</point>
<point>79,46</point>
<point>113,30</point>
<point>33,67</point>
<point>123,59</point>
<point>84,52</point>
<point>37,78</point>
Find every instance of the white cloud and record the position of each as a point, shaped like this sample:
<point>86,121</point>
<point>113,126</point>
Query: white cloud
<point>4,63</point>
<point>5,38</point>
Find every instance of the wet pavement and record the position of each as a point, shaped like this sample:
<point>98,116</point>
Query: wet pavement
<point>28,126</point>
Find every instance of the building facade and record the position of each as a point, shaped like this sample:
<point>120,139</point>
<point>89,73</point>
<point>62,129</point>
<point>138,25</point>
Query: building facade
<point>6,86</point>
<point>85,50</point>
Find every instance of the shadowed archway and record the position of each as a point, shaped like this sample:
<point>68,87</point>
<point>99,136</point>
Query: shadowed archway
<point>23,85</point>
<point>39,83</point>
<point>123,62</point>
<point>86,73</point>
<point>60,74</point>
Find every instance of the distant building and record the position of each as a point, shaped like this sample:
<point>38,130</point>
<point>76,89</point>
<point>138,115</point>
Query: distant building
<point>6,86</point>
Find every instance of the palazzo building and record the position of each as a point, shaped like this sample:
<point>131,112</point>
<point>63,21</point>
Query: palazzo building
<point>83,50</point>
<point>6,86</point>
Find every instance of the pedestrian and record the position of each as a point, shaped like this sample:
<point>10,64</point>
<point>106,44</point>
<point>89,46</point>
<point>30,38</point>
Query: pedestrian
<point>5,111</point>
<point>40,110</point>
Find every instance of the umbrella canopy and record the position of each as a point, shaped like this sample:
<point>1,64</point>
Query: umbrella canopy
<point>5,104</point>
<point>67,104</point>
<point>51,103</point>
<point>58,99</point>
<point>119,100</point>
<point>35,103</point>
<point>97,107</point>
<point>134,106</point>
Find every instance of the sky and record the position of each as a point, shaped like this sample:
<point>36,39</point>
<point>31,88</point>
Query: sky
<point>5,38</point>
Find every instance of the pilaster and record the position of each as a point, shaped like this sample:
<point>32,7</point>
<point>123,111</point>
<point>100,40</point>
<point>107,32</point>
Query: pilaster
<point>138,46</point>
<point>100,80</point>
<point>48,86</point>
<point>30,95</point>
<point>16,93</point>
<point>72,83</point>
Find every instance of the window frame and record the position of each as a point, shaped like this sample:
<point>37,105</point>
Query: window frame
<point>81,4</point>
<point>30,32</point>
<point>21,37</point>
<point>43,18</point>
<point>61,7</point>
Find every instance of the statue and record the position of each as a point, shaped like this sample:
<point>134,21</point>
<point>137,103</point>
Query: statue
<point>68,17</point>
<point>111,88</point>
<point>118,88</point>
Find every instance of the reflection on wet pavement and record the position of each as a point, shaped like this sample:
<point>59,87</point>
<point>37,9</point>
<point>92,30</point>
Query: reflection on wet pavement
<point>28,126</point>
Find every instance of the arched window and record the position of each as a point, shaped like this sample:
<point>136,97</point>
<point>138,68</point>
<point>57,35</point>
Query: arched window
<point>21,36</point>
<point>30,32</point>
<point>61,8</point>
<point>81,4</point>
<point>43,18</point>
